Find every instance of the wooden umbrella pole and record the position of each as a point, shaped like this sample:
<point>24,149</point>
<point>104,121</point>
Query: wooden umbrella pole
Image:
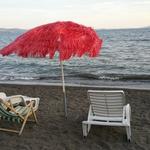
<point>64,90</point>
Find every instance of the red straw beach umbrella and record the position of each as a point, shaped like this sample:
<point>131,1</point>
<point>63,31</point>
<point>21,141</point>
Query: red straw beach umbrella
<point>67,38</point>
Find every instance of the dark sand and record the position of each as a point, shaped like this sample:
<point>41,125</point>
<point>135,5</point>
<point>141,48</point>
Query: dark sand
<point>54,132</point>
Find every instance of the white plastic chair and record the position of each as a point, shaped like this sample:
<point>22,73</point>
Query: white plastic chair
<point>15,99</point>
<point>108,108</point>
<point>3,95</point>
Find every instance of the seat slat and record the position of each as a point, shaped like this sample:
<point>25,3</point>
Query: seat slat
<point>104,96</point>
<point>106,118</point>
<point>104,102</point>
<point>107,115</point>
<point>104,99</point>
<point>107,110</point>
<point>118,106</point>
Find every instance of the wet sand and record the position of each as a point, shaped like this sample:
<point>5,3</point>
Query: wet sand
<point>54,132</point>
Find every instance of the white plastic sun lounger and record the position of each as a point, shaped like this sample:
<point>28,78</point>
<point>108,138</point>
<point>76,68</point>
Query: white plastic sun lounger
<point>107,108</point>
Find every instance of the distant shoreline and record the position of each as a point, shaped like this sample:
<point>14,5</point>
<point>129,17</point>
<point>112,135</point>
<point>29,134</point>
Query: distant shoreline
<point>128,87</point>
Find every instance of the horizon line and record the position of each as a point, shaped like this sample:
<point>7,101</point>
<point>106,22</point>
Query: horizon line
<point>18,28</point>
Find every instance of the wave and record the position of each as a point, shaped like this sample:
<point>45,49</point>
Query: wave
<point>135,77</point>
<point>13,78</point>
<point>114,76</point>
<point>27,78</point>
<point>79,76</point>
<point>127,77</point>
<point>138,40</point>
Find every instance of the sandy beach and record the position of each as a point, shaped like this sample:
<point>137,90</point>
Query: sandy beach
<point>54,132</point>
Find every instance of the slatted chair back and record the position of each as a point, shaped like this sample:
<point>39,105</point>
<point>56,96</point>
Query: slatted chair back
<point>107,104</point>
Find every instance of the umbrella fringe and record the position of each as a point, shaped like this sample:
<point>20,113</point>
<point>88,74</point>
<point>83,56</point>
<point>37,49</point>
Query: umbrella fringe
<point>70,39</point>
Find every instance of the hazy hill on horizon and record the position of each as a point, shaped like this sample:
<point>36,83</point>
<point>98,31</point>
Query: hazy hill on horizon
<point>22,30</point>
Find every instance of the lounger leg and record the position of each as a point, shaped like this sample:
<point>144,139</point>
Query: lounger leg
<point>128,116</point>
<point>86,128</point>
<point>24,122</point>
<point>34,115</point>
<point>128,130</point>
<point>89,127</point>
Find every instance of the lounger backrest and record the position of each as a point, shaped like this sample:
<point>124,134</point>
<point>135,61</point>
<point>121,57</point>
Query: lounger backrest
<point>16,99</point>
<point>107,103</point>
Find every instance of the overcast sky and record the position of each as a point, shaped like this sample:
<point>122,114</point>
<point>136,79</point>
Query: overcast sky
<point>96,13</point>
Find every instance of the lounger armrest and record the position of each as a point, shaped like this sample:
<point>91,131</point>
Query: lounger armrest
<point>90,113</point>
<point>34,99</point>
<point>127,113</point>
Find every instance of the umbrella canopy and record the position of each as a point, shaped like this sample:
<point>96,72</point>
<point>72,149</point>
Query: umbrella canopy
<point>68,38</point>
